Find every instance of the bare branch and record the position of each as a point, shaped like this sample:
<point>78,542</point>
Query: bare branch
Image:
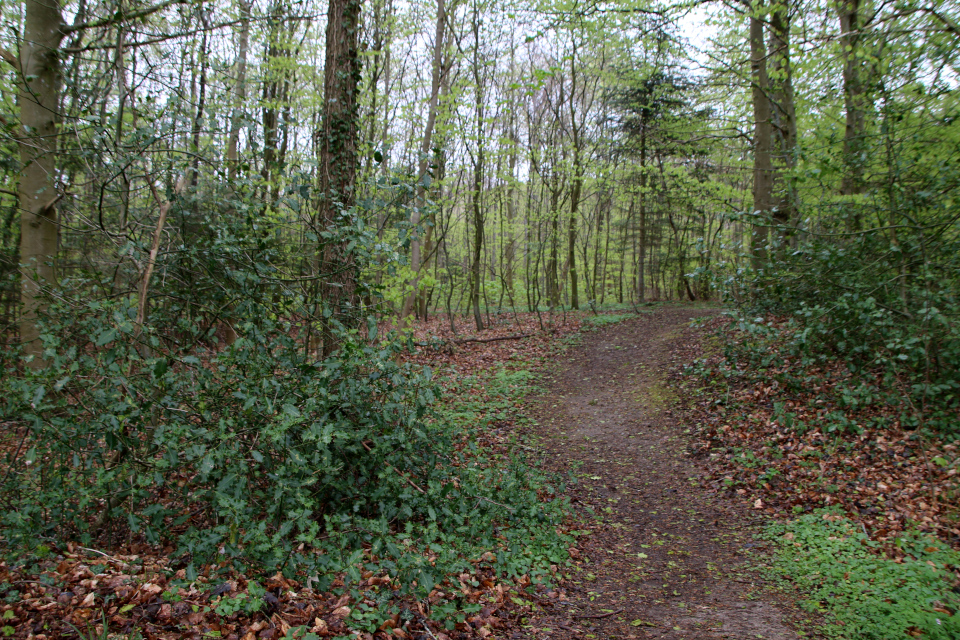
<point>10,59</point>
<point>119,17</point>
<point>154,249</point>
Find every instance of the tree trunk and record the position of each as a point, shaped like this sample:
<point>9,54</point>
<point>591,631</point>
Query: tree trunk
<point>477,242</point>
<point>642,208</point>
<point>509,252</point>
<point>338,164</point>
<point>123,94</point>
<point>39,97</point>
<point>854,102</point>
<point>606,249</point>
<point>595,285</point>
<point>429,249</point>
<point>572,232</point>
<point>762,136</point>
<point>270,113</point>
<point>553,280</point>
<point>201,105</point>
<point>784,119</point>
<point>477,175</point>
<point>240,91</point>
<point>577,185</point>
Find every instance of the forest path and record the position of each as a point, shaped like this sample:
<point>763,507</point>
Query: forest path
<point>667,560</point>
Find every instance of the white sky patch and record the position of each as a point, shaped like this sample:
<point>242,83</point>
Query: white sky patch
<point>697,30</point>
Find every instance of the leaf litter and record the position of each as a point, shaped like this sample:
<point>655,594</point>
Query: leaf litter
<point>777,451</point>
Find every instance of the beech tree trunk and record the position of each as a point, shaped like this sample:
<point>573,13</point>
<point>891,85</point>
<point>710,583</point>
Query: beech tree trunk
<point>240,91</point>
<point>577,185</point>
<point>425,145</point>
<point>509,251</point>
<point>39,97</point>
<point>642,217</point>
<point>478,217</point>
<point>553,278</point>
<point>477,242</point>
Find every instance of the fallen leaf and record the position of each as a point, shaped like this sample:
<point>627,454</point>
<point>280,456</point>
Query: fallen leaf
<point>642,623</point>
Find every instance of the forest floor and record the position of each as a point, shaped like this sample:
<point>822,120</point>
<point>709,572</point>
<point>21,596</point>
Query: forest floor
<point>660,556</point>
<point>666,525</point>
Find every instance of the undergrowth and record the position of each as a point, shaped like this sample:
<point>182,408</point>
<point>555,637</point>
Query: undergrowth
<point>863,594</point>
<point>432,512</point>
<point>803,431</point>
<point>597,322</point>
<point>260,456</point>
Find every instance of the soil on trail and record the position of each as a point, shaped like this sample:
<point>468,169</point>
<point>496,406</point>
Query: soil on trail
<point>666,558</point>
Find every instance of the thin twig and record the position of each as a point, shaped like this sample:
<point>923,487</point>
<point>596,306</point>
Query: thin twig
<point>496,503</point>
<point>423,622</point>
<point>481,340</point>
<point>602,615</point>
<point>395,470</point>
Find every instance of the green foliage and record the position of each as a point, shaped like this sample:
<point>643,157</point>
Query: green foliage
<point>249,602</point>
<point>607,319</point>
<point>242,452</point>
<point>865,595</point>
<point>258,453</point>
<point>874,281</point>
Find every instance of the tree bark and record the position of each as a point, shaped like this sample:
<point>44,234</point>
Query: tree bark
<point>338,164</point>
<point>854,102</point>
<point>553,279</point>
<point>123,94</point>
<point>39,97</point>
<point>571,241</point>
<point>477,243</point>
<point>201,101</point>
<point>762,135</point>
<point>509,251</point>
<point>477,176</point>
<point>784,120</point>
<point>271,97</point>
<point>240,91</point>
<point>642,208</point>
<point>577,185</point>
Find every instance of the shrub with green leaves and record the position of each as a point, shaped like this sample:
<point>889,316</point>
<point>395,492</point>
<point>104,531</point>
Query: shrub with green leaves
<point>257,454</point>
<point>864,594</point>
<point>244,451</point>
<point>872,281</point>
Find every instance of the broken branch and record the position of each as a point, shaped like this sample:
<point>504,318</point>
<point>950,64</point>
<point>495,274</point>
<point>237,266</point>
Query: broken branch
<point>602,615</point>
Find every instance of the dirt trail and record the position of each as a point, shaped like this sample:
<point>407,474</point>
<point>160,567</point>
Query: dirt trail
<point>666,562</point>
